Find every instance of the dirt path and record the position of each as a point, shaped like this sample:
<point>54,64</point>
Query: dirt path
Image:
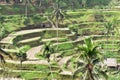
<point>31,54</point>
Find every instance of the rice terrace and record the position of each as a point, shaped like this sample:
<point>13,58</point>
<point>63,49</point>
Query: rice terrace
<point>59,40</point>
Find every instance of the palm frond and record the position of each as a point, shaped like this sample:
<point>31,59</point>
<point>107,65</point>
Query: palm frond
<point>89,43</point>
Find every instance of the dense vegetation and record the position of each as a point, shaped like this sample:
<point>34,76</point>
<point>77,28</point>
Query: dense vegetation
<point>60,39</point>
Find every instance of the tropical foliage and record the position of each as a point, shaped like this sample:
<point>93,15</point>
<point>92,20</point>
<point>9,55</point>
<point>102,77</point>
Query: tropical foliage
<point>47,50</point>
<point>90,61</point>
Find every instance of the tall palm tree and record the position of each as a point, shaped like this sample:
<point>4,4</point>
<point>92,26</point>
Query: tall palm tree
<point>90,59</point>
<point>26,7</point>
<point>57,16</point>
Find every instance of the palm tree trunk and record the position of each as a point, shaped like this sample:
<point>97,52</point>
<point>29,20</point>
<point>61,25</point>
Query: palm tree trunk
<point>90,69</point>
<point>57,32</point>
<point>107,40</point>
<point>40,3</point>
<point>51,71</point>
<point>90,73</point>
<point>21,64</point>
<point>113,43</point>
<point>26,8</point>
<point>52,23</point>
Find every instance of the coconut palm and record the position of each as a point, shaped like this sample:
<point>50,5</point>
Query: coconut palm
<point>47,50</point>
<point>21,53</point>
<point>26,7</point>
<point>89,60</point>
<point>57,16</point>
<point>111,28</point>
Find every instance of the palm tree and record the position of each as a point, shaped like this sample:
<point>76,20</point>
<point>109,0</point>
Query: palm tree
<point>26,7</point>
<point>57,16</point>
<point>47,51</point>
<point>21,55</point>
<point>32,3</point>
<point>89,60</point>
<point>111,28</point>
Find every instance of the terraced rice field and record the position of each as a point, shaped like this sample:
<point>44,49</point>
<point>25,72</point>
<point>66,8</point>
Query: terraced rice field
<point>77,30</point>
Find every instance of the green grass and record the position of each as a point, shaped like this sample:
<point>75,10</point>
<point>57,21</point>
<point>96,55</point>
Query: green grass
<point>32,67</point>
<point>110,46</point>
<point>64,46</point>
<point>53,33</point>
<point>30,40</point>
<point>15,22</point>
<point>114,77</point>
<point>111,55</point>
<point>68,52</point>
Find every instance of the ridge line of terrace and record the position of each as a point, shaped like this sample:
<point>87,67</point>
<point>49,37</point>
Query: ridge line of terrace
<point>24,32</point>
<point>37,30</point>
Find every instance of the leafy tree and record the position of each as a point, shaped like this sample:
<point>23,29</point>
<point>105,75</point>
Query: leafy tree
<point>89,60</point>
